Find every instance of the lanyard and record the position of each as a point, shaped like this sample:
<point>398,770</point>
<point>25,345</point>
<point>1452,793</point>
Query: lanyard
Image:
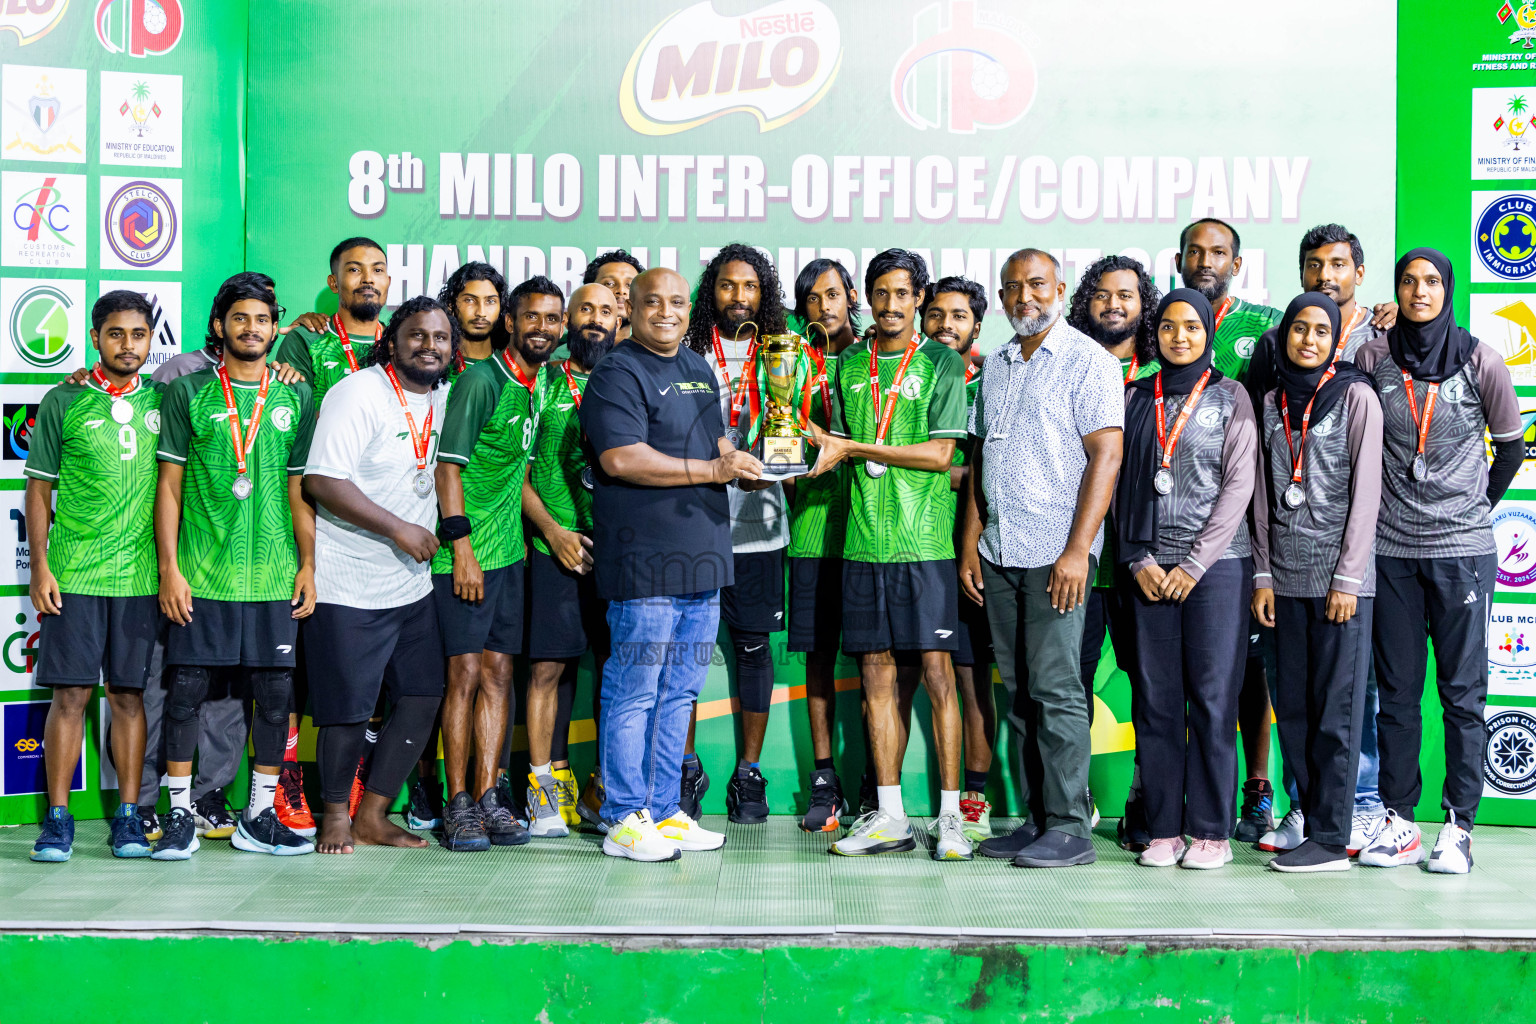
<point>1349,328</point>
<point>1226,304</point>
<point>243,445</point>
<point>970,370</point>
<point>1413,408</point>
<point>105,385</point>
<point>458,361</point>
<point>883,417</point>
<point>743,384</point>
<point>1130,373</point>
<point>346,341</point>
<point>421,441</point>
<point>1297,455</point>
<point>819,358</point>
<point>517,372</point>
<point>570,383</point>
<point>1178,424</point>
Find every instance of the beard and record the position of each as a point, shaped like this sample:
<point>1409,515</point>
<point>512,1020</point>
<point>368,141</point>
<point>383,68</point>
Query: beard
<point>1109,337</point>
<point>1029,326</point>
<point>1215,290</point>
<point>365,309</point>
<point>732,319</point>
<point>534,347</point>
<point>589,343</point>
<point>421,376</point>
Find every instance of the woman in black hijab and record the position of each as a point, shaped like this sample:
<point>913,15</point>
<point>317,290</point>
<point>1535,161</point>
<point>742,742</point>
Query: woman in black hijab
<point>1314,514</point>
<point>1181,508</point>
<point>1442,392</point>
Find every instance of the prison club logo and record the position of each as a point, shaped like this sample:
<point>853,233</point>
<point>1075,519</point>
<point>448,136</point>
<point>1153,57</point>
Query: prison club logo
<point>141,223</point>
<point>1506,237</point>
<point>139,28</point>
<point>963,72</point>
<point>775,63</point>
<point>1509,754</point>
<point>31,20</point>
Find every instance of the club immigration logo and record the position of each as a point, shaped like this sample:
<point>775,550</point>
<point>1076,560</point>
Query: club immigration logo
<point>46,226</point>
<point>39,325</point>
<point>139,224</point>
<point>775,63</point>
<point>141,119</point>
<point>139,28</point>
<point>1504,239</point>
<point>31,20</point>
<point>1525,24</point>
<point>963,73</point>
<point>44,115</point>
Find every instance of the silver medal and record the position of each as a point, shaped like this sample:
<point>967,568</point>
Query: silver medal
<point>1420,469</point>
<point>875,469</point>
<point>242,487</point>
<point>586,478</point>
<point>733,436</point>
<point>1162,481</point>
<point>122,412</point>
<point>422,483</point>
<point>1294,496</point>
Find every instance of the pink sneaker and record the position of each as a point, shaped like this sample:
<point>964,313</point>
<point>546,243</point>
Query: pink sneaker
<point>1205,854</point>
<point>1163,853</point>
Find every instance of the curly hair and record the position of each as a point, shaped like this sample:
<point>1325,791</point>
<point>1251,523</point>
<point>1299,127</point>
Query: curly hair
<point>602,259</point>
<point>770,310</point>
<point>448,295</point>
<point>383,352</point>
<point>1088,283</point>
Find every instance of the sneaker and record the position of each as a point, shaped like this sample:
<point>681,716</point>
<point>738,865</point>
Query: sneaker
<point>691,789</point>
<point>1289,835</point>
<point>952,841</point>
<point>496,817</point>
<point>827,803</point>
<point>1132,831</point>
<point>266,833</point>
<point>1207,854</point>
<point>1093,812</point>
<point>1396,844</point>
<point>635,836</point>
<point>1310,856</point>
<point>292,809</point>
<point>746,796</point>
<point>127,835</point>
<point>1364,827</point>
<point>1011,845</point>
<point>1453,850</point>
<point>424,809</point>
<point>509,799</point>
<point>689,835</point>
<point>359,782</point>
<point>544,818</point>
<point>1163,853</point>
<point>211,814</point>
<point>1258,815</point>
<point>565,789</point>
<point>590,807</point>
<point>876,832</point>
<point>179,840</point>
<point>1056,849</point>
<point>57,840</point>
<point>976,818</point>
<point>463,830</point>
<point>869,800</point>
<point>150,822</point>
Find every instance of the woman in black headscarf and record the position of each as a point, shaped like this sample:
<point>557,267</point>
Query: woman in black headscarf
<point>1181,509</point>
<point>1314,514</point>
<point>1442,392</point>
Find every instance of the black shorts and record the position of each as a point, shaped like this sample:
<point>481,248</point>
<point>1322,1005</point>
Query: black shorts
<point>755,602</point>
<point>92,637</point>
<point>900,606</point>
<point>354,653</point>
<point>974,634</point>
<point>815,604</point>
<point>495,624</point>
<point>253,634</point>
<point>564,614</point>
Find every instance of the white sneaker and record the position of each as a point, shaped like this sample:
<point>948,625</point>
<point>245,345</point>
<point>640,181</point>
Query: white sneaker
<point>876,832</point>
<point>1163,853</point>
<point>689,835</point>
<point>1364,827</point>
<point>952,844</point>
<point>1453,850</point>
<point>1289,834</point>
<point>635,836</point>
<point>1396,844</point>
<point>544,820</point>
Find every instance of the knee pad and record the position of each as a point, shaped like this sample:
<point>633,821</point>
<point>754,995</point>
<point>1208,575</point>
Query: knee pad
<point>272,692</point>
<point>754,670</point>
<point>188,690</point>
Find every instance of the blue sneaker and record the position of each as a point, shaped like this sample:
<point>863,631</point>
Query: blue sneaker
<point>127,837</point>
<point>179,841</point>
<point>58,839</point>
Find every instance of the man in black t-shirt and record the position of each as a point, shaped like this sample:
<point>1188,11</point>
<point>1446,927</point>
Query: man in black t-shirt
<point>661,545</point>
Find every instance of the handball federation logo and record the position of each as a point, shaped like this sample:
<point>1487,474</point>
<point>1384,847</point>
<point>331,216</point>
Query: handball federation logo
<point>1509,754</point>
<point>141,223</point>
<point>1506,237</point>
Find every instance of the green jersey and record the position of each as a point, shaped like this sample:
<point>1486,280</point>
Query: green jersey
<point>972,389</point>
<point>1238,333</point>
<point>903,515</point>
<point>229,549</point>
<point>819,514</point>
<point>558,458</point>
<point>102,541</point>
<point>320,357</point>
<point>489,430</point>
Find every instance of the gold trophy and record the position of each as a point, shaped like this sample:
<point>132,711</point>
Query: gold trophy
<point>783,442</point>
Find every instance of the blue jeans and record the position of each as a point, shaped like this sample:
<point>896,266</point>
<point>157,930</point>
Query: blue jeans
<point>662,649</point>
<point>1366,796</point>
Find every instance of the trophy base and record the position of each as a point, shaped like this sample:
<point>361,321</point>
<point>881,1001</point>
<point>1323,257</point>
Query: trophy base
<point>783,457</point>
<point>784,471</point>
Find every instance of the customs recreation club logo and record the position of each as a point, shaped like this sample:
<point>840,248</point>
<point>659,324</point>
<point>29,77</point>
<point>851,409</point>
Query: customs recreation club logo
<point>1506,236</point>
<point>775,63</point>
<point>965,73</point>
<point>1514,535</point>
<point>39,326</point>
<point>1525,23</point>
<point>139,28</point>
<point>140,223</point>
<point>1509,753</point>
<point>31,20</point>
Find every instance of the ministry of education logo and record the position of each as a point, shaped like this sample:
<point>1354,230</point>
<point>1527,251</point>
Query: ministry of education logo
<point>1504,238</point>
<point>1509,754</point>
<point>141,224</point>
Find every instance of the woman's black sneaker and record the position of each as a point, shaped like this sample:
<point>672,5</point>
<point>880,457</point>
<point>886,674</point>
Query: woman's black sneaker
<point>266,834</point>
<point>1310,856</point>
<point>178,840</point>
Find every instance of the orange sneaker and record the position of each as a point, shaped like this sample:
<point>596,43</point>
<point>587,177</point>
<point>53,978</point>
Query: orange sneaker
<point>359,779</point>
<point>292,809</point>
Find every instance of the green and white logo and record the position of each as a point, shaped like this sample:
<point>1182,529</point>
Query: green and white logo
<point>39,326</point>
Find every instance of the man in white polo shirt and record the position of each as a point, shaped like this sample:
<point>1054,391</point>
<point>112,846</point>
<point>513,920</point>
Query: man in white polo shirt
<point>370,471</point>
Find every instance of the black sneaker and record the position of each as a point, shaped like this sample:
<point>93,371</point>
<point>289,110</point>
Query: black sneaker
<point>127,834</point>
<point>695,784</point>
<point>1056,849</point>
<point>1132,830</point>
<point>746,797</point>
<point>1258,815</point>
<point>462,828</point>
<point>179,839</point>
<point>425,809</point>
<point>1310,856</point>
<point>211,812</point>
<point>869,800</point>
<point>827,802</point>
<point>1011,845</point>
<point>500,827</point>
<point>151,822</point>
<point>266,834</point>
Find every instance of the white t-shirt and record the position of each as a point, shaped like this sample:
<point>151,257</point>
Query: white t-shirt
<point>362,436</point>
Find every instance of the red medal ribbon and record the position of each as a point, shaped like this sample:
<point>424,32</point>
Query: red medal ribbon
<point>570,383</point>
<point>1413,407</point>
<point>346,340</point>
<point>1221,313</point>
<point>1349,328</point>
<point>1178,424</point>
<point>1130,373</point>
<point>970,371</point>
<point>1306,417</point>
<point>419,442</point>
<point>106,385</point>
<point>743,385</point>
<point>517,372</point>
<point>883,417</point>
<point>819,358</point>
<point>243,445</point>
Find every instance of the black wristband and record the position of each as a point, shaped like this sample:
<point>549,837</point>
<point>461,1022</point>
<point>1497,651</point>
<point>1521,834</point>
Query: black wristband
<point>453,527</point>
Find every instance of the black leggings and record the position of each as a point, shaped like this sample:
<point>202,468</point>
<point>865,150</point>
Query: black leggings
<point>754,670</point>
<point>272,697</point>
<point>399,748</point>
<point>560,747</point>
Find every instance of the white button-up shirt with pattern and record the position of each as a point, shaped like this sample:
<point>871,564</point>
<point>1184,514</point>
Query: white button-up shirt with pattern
<point>1031,416</point>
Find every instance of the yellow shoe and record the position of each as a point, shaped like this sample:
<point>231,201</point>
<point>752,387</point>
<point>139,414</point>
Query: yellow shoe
<point>689,835</point>
<point>565,789</point>
<point>590,807</point>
